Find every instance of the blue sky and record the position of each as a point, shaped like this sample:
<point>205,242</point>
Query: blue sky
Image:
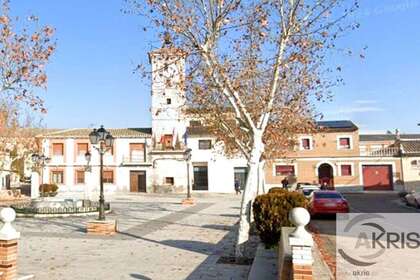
<point>91,80</point>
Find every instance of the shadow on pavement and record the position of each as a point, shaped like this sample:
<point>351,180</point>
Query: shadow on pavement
<point>139,276</point>
<point>211,267</point>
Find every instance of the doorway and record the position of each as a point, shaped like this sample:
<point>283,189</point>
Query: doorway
<point>138,181</point>
<point>240,175</point>
<point>201,182</point>
<point>326,175</point>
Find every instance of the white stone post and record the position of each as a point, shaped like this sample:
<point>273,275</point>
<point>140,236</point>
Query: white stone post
<point>34,185</point>
<point>301,243</point>
<point>8,245</point>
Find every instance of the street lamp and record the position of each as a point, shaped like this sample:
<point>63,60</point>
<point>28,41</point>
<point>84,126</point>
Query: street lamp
<point>104,140</point>
<point>41,161</point>
<point>187,157</point>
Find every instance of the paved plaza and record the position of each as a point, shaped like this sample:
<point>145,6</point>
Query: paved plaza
<point>158,239</point>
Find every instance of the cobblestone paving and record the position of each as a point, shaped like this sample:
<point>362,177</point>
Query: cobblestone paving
<point>159,239</point>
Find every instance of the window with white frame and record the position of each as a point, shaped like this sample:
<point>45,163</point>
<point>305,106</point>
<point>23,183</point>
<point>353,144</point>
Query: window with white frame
<point>305,143</point>
<point>57,177</point>
<point>204,144</point>
<point>344,143</point>
<point>346,170</point>
<point>415,164</point>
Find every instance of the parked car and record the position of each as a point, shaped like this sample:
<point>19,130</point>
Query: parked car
<point>307,188</point>
<point>413,199</point>
<point>327,202</point>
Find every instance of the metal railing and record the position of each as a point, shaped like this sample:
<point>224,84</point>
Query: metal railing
<point>134,159</point>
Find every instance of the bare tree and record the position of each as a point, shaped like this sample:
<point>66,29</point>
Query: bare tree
<point>17,137</point>
<point>25,49</point>
<point>255,69</point>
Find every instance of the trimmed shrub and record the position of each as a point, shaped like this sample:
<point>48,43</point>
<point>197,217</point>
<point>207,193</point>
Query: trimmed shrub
<point>271,214</point>
<point>48,189</point>
<point>277,190</point>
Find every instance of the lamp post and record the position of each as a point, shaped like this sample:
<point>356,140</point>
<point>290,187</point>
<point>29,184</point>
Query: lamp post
<point>41,161</point>
<point>104,141</point>
<point>189,200</point>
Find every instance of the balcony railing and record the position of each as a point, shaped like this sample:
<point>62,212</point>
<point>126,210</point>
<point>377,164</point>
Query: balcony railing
<point>162,147</point>
<point>134,159</point>
<point>384,152</point>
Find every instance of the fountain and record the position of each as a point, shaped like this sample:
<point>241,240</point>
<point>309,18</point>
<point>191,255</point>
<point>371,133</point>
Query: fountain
<point>57,207</point>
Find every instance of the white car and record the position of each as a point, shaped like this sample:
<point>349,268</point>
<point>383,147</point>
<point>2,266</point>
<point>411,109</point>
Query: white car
<point>307,188</point>
<point>413,199</point>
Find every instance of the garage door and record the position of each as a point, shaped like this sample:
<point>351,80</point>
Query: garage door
<point>377,177</point>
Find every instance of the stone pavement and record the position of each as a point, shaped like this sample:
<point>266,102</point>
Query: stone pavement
<point>159,239</point>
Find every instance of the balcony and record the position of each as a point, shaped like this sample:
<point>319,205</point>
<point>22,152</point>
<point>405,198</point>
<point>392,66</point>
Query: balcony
<point>384,152</point>
<point>179,146</point>
<point>134,160</point>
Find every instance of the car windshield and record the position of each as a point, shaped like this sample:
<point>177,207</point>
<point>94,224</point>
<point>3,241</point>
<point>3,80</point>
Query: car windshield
<point>307,192</point>
<point>327,195</point>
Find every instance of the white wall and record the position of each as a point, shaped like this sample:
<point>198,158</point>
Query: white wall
<point>220,168</point>
<point>112,162</point>
<point>411,173</point>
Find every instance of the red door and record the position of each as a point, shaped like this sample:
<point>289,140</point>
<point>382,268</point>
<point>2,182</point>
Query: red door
<point>377,177</point>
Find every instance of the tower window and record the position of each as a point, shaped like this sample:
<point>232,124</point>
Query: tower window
<point>168,101</point>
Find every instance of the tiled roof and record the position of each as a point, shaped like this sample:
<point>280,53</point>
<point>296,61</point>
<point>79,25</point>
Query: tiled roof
<point>387,137</point>
<point>339,125</point>
<point>411,147</point>
<point>328,125</point>
<point>84,132</point>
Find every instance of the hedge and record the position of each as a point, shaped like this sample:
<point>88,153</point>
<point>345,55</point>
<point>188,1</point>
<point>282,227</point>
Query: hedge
<point>271,212</point>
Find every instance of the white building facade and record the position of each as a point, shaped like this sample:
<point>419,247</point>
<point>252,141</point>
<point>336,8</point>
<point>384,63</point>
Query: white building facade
<point>145,159</point>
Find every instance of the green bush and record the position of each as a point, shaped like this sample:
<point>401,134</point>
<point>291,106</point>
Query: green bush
<point>271,213</point>
<point>277,190</point>
<point>48,189</point>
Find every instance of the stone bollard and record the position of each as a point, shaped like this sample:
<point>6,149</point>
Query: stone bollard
<point>8,245</point>
<point>301,243</point>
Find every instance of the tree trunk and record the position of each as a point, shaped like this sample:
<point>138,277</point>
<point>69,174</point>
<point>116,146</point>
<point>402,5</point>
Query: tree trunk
<point>251,188</point>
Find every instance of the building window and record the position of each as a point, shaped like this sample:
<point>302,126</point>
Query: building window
<point>204,144</point>
<point>285,170</point>
<point>110,151</point>
<point>346,170</point>
<point>195,123</point>
<point>137,152</point>
<point>80,177</point>
<point>82,148</point>
<point>108,177</point>
<point>167,141</point>
<point>168,101</point>
<point>344,143</point>
<point>57,177</point>
<point>415,164</point>
<point>58,149</point>
<point>169,181</point>
<point>305,144</point>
